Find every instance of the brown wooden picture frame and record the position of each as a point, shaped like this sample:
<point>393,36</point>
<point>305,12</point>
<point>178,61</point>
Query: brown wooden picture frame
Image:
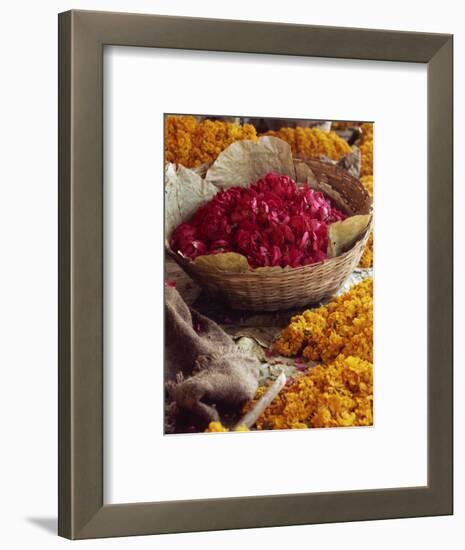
<point>82,37</point>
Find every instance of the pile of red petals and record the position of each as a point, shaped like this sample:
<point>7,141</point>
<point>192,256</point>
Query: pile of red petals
<point>272,223</point>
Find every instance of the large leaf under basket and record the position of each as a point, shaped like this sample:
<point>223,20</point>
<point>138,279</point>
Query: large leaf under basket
<point>276,289</point>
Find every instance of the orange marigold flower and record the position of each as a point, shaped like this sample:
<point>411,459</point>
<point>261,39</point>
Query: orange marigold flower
<point>313,142</point>
<point>192,143</point>
<point>334,395</point>
<point>367,182</point>
<point>343,326</point>
<point>367,257</point>
<point>216,427</point>
<point>366,149</point>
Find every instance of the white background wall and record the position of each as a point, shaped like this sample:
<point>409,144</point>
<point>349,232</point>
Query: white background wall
<point>28,274</point>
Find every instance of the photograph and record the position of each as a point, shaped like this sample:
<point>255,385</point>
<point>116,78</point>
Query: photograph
<point>268,279</point>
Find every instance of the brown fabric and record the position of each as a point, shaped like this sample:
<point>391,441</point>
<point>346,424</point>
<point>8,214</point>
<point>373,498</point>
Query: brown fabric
<point>204,369</point>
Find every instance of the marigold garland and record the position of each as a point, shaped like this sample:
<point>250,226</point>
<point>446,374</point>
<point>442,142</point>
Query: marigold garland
<point>334,395</point>
<point>367,131</point>
<point>343,326</point>
<point>367,257</point>
<point>312,142</point>
<point>366,260</point>
<point>366,149</point>
<point>339,391</point>
<point>192,143</point>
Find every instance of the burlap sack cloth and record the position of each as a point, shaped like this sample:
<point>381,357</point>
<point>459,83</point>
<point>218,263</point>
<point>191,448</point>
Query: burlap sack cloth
<point>204,370</point>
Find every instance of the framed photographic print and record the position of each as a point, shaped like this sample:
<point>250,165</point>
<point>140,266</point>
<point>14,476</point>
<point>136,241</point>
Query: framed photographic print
<point>255,274</point>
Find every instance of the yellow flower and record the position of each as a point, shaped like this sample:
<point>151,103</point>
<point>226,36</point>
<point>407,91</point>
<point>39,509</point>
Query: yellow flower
<point>367,257</point>
<point>338,394</point>
<point>216,427</point>
<point>192,143</point>
<point>367,182</point>
<point>366,149</point>
<point>178,131</point>
<point>241,428</point>
<point>343,326</point>
<point>312,142</point>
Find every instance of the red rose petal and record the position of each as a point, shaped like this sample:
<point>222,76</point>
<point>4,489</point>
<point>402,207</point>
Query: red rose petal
<point>272,222</point>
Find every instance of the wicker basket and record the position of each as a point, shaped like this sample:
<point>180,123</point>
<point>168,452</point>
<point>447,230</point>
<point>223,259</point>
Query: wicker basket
<point>272,290</point>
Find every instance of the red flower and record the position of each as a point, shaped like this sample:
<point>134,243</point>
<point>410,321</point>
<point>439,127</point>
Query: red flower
<point>273,223</point>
